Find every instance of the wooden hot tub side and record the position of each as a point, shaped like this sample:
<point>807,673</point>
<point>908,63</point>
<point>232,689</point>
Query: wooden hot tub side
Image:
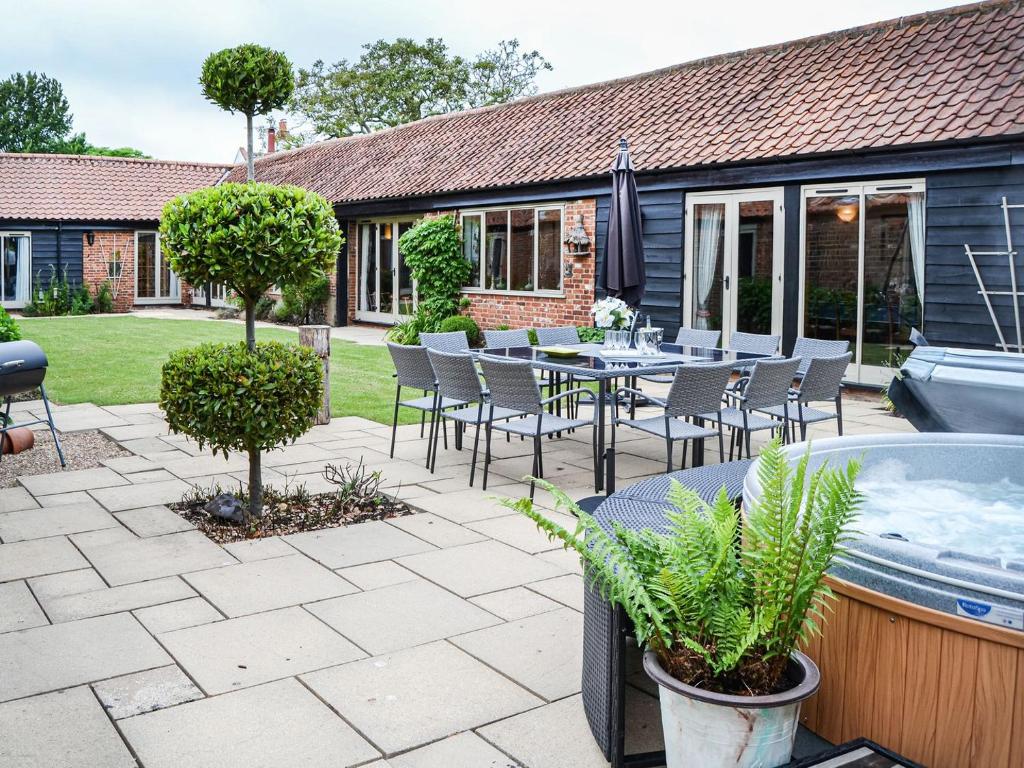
<point>944,691</point>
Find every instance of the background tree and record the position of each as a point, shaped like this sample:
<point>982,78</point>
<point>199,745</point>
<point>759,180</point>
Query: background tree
<point>249,79</point>
<point>402,81</point>
<point>34,113</point>
<point>77,144</point>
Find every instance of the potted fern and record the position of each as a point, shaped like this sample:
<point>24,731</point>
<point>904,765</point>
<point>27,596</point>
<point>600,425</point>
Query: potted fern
<point>723,602</point>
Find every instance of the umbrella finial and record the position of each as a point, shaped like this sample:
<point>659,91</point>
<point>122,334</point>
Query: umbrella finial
<point>622,144</point>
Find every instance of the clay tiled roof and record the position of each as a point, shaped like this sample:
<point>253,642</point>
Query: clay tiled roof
<point>955,74</point>
<point>86,188</point>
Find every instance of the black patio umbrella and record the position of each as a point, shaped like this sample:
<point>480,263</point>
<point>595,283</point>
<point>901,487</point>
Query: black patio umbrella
<point>624,274</point>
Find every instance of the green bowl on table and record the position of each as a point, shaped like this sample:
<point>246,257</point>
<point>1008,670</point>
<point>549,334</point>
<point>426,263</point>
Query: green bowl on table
<point>559,351</point>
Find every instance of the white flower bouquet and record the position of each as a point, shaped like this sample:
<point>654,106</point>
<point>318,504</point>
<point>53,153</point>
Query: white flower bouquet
<point>612,313</point>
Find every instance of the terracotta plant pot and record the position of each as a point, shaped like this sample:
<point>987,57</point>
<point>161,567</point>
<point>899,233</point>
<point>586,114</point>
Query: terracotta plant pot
<point>18,440</point>
<point>714,730</point>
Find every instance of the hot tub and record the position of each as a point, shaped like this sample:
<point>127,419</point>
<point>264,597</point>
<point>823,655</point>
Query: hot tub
<point>924,650</point>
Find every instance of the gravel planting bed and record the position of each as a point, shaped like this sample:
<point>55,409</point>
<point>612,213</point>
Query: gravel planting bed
<point>83,450</point>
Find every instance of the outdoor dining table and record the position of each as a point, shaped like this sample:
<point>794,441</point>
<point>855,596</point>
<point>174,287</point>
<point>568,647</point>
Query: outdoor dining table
<point>590,364</point>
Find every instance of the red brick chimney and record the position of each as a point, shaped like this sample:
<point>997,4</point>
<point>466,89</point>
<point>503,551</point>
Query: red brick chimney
<point>271,140</point>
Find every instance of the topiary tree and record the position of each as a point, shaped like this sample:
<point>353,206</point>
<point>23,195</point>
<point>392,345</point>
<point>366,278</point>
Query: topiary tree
<point>233,398</point>
<point>433,252</point>
<point>249,79</point>
<point>250,237</point>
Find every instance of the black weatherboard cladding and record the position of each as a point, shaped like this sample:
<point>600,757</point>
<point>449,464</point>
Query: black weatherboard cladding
<point>44,249</point>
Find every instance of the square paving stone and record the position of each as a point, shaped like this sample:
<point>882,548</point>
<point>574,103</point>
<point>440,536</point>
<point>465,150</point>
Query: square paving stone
<point>178,615</point>
<point>102,537</point>
<point>466,750</point>
<point>37,557</point>
<point>568,590</point>
<point>68,583</point>
<point>515,603</point>
<point>72,497</point>
<point>115,599</point>
<point>543,653</point>
<point>263,585</point>
<point>16,499</point>
<point>522,533</point>
<point>153,521</point>
<point>75,480</point>
<point>237,653</point>
<point>377,575</point>
<point>53,521</point>
<point>565,559</point>
<point>123,562</point>
<point>195,466</point>
<point>135,431</point>
<point>486,566</point>
<point>18,608</point>
<point>296,454</point>
<point>357,544</point>
<point>60,730</point>
<point>464,507</point>
<point>141,495</point>
<point>401,616</point>
<point>62,655</point>
<point>412,697</point>
<point>436,530</point>
<point>128,464</point>
<point>271,726</point>
<point>145,691</point>
<point>259,549</point>
<point>149,446</point>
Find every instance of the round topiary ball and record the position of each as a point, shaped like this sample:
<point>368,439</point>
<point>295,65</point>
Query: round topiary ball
<point>232,399</point>
<point>462,323</point>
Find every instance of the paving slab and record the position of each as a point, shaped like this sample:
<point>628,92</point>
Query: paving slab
<point>466,750</point>
<point>53,521</point>
<point>141,495</point>
<point>357,544</point>
<point>150,476</point>
<point>16,499</point>
<point>116,599</point>
<point>196,466</point>
<point>177,615</point>
<point>409,698</point>
<point>376,575</point>
<point>522,533</point>
<point>474,569</point>
<point>147,691</point>
<point>153,521</point>
<point>401,616</point>
<point>259,549</point>
<point>72,480</point>
<point>82,417</point>
<point>436,530</point>
<point>270,726</point>
<point>18,608</point>
<point>296,454</point>
<point>237,653</point>
<point>462,507</point>
<point>514,603</point>
<point>63,655</point>
<point>149,446</point>
<point>67,583</point>
<point>568,590</point>
<point>136,431</point>
<point>543,653</point>
<point>263,585</point>
<point>71,497</point>
<point>67,729</point>
<point>566,559</point>
<point>124,562</point>
<point>102,537</point>
<point>126,465</point>
<point>37,557</point>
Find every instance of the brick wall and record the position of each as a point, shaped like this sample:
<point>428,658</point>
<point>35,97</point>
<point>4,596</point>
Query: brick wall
<point>96,270</point>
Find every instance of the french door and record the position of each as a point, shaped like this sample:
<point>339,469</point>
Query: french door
<point>15,269</point>
<point>155,282</point>
<point>734,261</point>
<point>218,295</point>
<point>387,292</point>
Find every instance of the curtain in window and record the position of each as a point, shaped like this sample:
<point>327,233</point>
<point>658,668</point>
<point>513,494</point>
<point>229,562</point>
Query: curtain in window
<point>915,227</point>
<point>709,229</point>
<point>24,292</point>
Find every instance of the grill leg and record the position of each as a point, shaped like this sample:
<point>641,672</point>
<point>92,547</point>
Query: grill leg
<point>49,418</point>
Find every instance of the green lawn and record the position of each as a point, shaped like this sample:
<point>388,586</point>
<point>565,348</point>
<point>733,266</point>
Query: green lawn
<point>116,360</point>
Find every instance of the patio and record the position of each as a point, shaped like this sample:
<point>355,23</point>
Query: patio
<point>447,638</point>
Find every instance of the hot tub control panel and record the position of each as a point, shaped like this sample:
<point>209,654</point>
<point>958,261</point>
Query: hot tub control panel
<point>1000,615</point>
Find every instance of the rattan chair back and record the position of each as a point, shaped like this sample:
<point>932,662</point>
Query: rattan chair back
<point>697,389</point>
<point>511,384</point>
<point>457,377</point>
<point>412,366</point>
<point>564,334</point>
<point>452,341</point>
<point>518,337</point>
<point>769,383</point>
<point>824,378</point>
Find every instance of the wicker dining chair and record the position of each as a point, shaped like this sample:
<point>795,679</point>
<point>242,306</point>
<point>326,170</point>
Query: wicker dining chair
<point>687,337</point>
<point>451,341</point>
<point>512,385</point>
<point>822,382</point>
<point>766,386</point>
<point>810,349</point>
<point>459,381</point>
<point>696,391</point>
<point>563,334</point>
<point>518,337</point>
<point>753,343</point>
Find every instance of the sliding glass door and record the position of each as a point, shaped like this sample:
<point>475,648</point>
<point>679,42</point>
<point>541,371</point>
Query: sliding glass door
<point>733,265</point>
<point>387,292</point>
<point>16,272</point>
<point>862,270</point>
<point>155,282</point>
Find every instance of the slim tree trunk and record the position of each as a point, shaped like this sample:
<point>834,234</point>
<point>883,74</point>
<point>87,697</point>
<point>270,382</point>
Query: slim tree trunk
<point>250,324</point>
<point>255,485</point>
<point>250,169</point>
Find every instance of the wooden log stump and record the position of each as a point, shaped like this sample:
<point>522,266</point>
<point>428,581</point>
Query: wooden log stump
<point>318,338</point>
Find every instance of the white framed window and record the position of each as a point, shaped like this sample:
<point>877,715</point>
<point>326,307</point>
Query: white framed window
<point>16,269</point>
<point>862,269</point>
<point>155,282</point>
<point>514,249</point>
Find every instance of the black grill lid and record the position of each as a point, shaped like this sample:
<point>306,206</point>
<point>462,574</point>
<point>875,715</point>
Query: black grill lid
<point>18,356</point>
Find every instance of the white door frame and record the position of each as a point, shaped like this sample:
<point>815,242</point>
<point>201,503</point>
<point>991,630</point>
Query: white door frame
<point>15,304</point>
<point>731,199</point>
<point>380,316</point>
<point>175,295</point>
<point>856,371</point>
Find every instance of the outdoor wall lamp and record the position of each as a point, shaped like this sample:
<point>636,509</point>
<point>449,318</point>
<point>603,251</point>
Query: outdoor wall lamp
<point>90,237</point>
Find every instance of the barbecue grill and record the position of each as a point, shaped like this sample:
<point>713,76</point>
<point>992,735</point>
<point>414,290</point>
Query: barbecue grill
<point>22,369</point>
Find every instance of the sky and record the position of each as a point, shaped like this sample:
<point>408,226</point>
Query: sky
<point>130,69</point>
